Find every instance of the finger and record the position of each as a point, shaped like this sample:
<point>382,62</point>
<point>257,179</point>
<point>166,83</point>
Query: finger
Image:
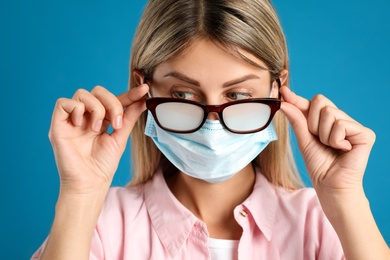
<point>113,107</point>
<point>133,95</point>
<point>318,103</point>
<point>66,109</point>
<point>298,123</point>
<point>328,116</point>
<point>130,117</point>
<point>347,134</point>
<point>135,104</point>
<point>93,106</point>
<point>337,136</point>
<point>301,103</point>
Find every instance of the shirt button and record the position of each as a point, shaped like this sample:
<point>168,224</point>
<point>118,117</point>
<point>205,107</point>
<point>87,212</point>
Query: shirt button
<point>243,213</point>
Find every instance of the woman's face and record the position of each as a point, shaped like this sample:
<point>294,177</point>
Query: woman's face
<point>210,75</point>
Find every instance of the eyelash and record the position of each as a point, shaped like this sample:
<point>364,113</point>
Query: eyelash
<point>176,94</point>
<point>245,94</point>
<point>230,96</point>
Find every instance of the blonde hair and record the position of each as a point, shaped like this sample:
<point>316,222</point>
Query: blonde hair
<point>168,27</point>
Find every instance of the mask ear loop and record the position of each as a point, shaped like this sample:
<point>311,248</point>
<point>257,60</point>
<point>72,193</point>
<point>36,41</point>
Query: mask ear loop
<point>272,88</point>
<point>140,78</point>
<point>149,95</point>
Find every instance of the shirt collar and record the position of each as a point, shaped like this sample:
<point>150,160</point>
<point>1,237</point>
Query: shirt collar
<point>172,221</point>
<point>262,204</point>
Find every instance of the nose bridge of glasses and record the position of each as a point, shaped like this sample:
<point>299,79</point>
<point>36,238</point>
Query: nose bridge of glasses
<point>212,116</point>
<point>213,111</point>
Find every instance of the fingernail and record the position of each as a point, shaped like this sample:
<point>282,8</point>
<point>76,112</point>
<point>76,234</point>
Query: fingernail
<point>98,125</point>
<point>118,122</point>
<point>78,121</point>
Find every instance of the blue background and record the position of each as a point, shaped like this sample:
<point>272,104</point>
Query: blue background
<point>48,49</point>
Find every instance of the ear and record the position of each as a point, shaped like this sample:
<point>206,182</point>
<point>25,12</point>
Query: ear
<point>283,77</point>
<point>283,80</point>
<point>138,77</point>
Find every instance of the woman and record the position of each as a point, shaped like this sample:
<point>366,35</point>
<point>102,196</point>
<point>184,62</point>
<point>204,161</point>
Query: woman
<point>214,175</point>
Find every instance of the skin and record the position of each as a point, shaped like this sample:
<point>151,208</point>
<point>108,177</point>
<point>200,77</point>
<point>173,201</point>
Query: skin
<point>200,74</point>
<point>334,146</point>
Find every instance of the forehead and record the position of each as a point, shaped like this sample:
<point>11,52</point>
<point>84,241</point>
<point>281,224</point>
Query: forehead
<point>205,59</point>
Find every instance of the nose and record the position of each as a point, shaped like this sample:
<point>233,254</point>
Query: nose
<point>213,116</point>
<point>212,113</point>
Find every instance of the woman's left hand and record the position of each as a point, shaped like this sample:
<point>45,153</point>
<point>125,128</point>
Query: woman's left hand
<point>334,146</point>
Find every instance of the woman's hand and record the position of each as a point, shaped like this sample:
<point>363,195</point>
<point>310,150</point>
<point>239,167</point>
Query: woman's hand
<point>87,156</point>
<point>334,146</point>
<point>335,149</point>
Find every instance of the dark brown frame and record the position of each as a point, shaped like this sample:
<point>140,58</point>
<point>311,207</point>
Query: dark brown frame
<point>273,103</point>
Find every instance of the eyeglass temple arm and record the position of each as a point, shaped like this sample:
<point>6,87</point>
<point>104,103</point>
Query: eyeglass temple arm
<point>279,86</point>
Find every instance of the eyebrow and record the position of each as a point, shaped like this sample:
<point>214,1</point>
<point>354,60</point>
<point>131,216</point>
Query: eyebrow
<point>240,80</point>
<point>183,77</point>
<point>194,82</point>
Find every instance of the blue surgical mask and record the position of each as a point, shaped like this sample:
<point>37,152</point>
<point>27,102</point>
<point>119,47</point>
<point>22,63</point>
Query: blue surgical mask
<point>212,153</point>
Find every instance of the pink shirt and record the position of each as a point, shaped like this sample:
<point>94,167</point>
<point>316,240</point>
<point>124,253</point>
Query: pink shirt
<point>148,222</point>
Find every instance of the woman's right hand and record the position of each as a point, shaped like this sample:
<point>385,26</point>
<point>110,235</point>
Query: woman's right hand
<point>87,156</point>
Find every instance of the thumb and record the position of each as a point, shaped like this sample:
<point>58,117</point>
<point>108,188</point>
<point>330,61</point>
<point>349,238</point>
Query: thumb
<point>130,117</point>
<point>135,105</point>
<point>295,108</point>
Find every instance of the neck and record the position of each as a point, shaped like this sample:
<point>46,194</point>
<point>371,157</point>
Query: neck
<point>213,203</point>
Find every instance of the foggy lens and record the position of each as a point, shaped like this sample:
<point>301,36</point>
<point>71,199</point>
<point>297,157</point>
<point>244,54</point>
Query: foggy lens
<point>179,116</point>
<point>246,116</point>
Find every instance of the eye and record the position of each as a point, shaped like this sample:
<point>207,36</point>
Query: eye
<point>182,95</point>
<point>238,95</point>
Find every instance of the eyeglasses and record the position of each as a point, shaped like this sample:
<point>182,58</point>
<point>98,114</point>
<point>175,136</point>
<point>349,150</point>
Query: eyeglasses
<point>240,117</point>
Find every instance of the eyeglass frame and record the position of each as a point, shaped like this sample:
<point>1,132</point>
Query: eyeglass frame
<point>273,103</point>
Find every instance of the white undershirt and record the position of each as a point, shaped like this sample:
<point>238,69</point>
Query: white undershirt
<point>222,249</point>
